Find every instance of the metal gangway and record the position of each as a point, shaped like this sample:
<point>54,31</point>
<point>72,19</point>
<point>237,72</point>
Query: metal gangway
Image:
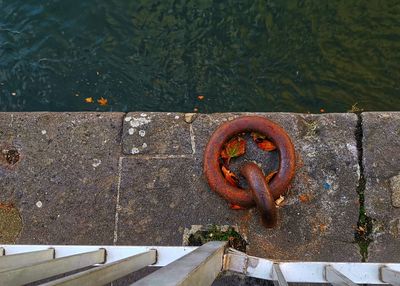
<point>100,265</point>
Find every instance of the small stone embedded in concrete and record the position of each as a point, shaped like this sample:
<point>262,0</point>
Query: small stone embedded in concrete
<point>39,204</point>
<point>44,132</point>
<point>381,157</point>
<point>162,133</point>
<point>395,188</point>
<point>96,163</point>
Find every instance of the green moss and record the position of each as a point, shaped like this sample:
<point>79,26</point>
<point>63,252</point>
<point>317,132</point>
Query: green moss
<point>216,233</point>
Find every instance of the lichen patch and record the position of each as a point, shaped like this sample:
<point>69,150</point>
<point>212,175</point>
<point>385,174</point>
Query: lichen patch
<point>10,223</point>
<point>136,122</point>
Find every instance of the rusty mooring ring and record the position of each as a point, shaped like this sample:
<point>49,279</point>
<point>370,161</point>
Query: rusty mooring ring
<point>225,132</point>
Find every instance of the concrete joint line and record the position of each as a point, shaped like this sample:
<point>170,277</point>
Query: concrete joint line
<point>192,139</point>
<point>117,205</point>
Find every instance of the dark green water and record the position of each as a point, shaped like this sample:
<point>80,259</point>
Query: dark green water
<point>160,55</point>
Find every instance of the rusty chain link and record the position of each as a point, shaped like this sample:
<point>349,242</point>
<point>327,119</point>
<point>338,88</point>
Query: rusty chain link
<point>261,193</point>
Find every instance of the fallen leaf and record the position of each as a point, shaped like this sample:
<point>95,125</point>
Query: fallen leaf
<point>270,176</point>
<point>262,142</point>
<point>236,207</point>
<point>322,110</point>
<point>279,200</point>
<point>257,136</point>
<point>234,148</point>
<point>304,198</point>
<point>230,176</point>
<point>102,101</point>
<point>89,100</point>
<point>200,97</point>
<point>266,145</point>
<point>361,230</point>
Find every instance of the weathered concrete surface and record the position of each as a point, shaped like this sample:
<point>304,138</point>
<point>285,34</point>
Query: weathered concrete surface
<point>64,171</point>
<point>156,133</point>
<point>172,194</point>
<point>321,209</point>
<point>64,183</point>
<point>158,204</point>
<point>381,146</point>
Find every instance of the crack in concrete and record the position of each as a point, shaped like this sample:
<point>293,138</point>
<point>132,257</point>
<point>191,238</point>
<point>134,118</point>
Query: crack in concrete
<point>160,156</point>
<point>362,234</point>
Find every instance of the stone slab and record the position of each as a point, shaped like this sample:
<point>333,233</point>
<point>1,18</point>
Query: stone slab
<point>64,179</point>
<point>157,205</point>
<point>155,133</point>
<point>327,175</point>
<point>172,194</point>
<point>381,148</point>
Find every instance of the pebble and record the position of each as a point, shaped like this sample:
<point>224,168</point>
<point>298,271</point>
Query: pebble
<point>190,117</point>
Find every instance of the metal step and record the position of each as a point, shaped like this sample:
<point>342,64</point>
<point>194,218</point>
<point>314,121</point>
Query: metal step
<point>22,264</point>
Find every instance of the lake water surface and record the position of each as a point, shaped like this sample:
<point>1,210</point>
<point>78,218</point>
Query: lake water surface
<point>256,55</point>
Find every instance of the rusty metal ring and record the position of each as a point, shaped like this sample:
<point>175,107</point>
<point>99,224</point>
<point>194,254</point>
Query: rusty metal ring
<point>226,131</point>
<point>261,193</point>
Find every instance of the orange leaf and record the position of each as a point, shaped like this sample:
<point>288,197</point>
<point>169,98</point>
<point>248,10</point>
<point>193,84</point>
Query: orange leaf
<point>270,176</point>
<point>304,198</point>
<point>89,100</point>
<point>234,148</point>
<point>236,207</point>
<point>200,97</point>
<point>266,145</point>
<point>102,101</point>
<point>230,176</point>
<point>262,142</point>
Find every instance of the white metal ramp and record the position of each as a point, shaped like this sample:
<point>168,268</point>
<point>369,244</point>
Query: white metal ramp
<point>99,265</point>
